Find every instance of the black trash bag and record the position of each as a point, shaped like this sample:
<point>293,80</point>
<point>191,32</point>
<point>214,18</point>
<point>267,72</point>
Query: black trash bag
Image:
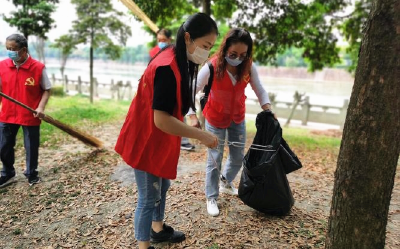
<point>263,183</point>
<point>290,161</point>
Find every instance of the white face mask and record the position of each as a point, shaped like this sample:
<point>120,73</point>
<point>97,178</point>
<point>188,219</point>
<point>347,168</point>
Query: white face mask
<point>199,55</point>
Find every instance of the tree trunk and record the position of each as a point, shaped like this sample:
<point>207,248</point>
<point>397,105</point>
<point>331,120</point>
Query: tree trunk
<point>207,7</point>
<point>38,45</point>
<point>63,62</point>
<point>370,147</point>
<point>91,73</point>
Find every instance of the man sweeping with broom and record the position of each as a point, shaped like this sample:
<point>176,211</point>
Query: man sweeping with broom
<point>25,79</point>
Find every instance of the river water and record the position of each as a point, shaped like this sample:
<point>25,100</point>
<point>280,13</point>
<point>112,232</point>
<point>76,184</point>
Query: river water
<point>332,93</point>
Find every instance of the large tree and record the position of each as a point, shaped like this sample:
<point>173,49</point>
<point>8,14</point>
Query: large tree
<point>370,147</point>
<point>98,25</point>
<point>32,17</point>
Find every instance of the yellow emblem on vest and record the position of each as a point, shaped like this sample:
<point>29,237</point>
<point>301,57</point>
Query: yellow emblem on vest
<point>30,81</point>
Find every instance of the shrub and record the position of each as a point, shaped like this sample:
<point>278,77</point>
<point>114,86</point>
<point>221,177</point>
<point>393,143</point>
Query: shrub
<point>57,91</point>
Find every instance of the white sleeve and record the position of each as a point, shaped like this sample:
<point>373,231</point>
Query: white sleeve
<point>258,89</point>
<point>202,81</point>
<point>202,78</point>
<point>45,82</point>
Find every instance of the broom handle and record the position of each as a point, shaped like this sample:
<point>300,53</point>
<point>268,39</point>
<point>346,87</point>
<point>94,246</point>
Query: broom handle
<point>17,102</point>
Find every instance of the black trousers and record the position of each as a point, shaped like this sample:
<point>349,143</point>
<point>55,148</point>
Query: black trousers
<point>8,134</point>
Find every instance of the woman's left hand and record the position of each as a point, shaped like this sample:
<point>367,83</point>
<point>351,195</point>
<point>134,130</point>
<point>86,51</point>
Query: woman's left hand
<point>268,107</point>
<point>194,121</point>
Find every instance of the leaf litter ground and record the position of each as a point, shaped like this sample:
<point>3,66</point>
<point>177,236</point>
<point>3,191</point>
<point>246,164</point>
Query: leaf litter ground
<point>87,199</point>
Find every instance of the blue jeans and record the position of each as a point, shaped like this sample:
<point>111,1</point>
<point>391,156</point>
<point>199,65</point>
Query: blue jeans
<point>235,133</point>
<point>152,191</point>
<point>184,140</point>
<point>8,133</point>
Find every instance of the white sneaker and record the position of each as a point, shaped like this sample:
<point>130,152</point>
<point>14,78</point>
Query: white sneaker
<point>227,188</point>
<point>212,207</point>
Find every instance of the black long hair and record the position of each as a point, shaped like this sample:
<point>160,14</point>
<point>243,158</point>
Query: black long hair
<point>197,25</point>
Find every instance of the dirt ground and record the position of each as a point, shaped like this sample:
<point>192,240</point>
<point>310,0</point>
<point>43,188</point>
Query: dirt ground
<point>87,199</point>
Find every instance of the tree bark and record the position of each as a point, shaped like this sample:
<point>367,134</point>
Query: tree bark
<point>207,7</point>
<point>91,73</point>
<point>370,147</point>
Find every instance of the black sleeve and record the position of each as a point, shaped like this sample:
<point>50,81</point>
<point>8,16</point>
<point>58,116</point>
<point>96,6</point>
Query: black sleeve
<point>164,90</point>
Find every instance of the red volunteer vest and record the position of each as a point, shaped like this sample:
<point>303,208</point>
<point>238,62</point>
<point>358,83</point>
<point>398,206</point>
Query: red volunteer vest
<point>23,85</point>
<point>226,102</point>
<point>154,51</point>
<point>140,143</point>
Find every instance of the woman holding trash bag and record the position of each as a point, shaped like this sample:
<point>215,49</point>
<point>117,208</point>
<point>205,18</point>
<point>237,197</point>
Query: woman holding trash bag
<point>225,110</point>
<point>149,140</point>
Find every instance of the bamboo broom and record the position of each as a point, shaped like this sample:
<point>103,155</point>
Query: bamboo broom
<point>131,5</point>
<point>85,138</point>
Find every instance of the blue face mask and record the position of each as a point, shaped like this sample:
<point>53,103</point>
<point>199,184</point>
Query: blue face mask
<point>233,62</point>
<point>13,55</point>
<point>162,45</point>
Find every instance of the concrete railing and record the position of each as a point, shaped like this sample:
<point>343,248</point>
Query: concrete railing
<point>304,111</point>
<point>112,90</point>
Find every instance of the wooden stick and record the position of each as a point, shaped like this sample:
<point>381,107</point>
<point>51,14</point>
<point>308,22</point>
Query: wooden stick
<point>131,5</point>
<point>85,138</point>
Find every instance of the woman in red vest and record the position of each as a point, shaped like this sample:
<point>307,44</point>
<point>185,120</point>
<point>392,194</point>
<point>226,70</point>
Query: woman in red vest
<point>163,40</point>
<point>225,110</point>
<point>150,138</point>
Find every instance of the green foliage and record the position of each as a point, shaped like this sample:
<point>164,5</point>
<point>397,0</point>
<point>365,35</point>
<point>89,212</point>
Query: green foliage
<point>223,9</point>
<point>65,43</point>
<point>97,22</point>
<point>291,57</point>
<point>223,28</point>
<point>286,24</point>
<point>277,26</point>
<point>57,91</point>
<point>352,27</point>
<point>32,17</point>
<point>163,13</point>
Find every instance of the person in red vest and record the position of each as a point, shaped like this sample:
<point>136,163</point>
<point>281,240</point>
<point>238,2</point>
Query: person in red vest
<point>150,137</point>
<point>163,40</point>
<point>225,110</point>
<point>25,80</point>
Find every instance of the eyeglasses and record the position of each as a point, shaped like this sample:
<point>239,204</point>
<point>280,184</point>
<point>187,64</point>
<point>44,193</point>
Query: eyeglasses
<point>14,49</point>
<point>234,56</point>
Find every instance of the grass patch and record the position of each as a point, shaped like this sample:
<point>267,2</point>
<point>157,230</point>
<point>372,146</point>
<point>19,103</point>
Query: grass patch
<point>78,112</point>
<point>301,137</point>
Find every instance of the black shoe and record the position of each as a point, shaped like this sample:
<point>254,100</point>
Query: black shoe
<point>6,180</point>
<point>33,180</point>
<point>187,146</point>
<point>167,235</point>
<point>151,247</point>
